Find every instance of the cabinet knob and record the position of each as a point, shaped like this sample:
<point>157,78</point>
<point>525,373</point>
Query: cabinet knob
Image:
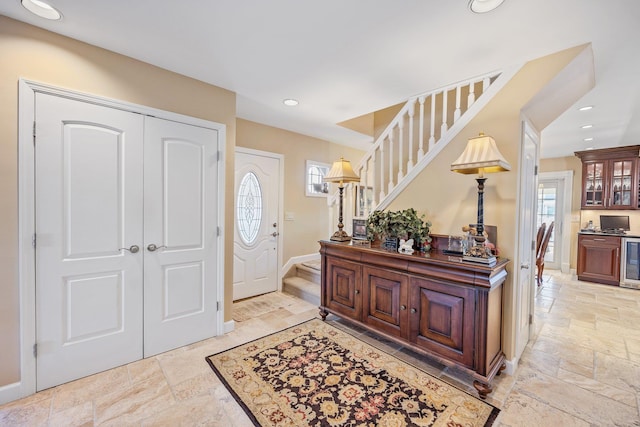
<point>413,310</point>
<point>403,307</point>
<point>357,292</point>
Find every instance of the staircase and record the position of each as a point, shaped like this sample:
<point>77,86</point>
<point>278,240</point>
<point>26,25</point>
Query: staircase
<point>423,126</point>
<point>305,284</point>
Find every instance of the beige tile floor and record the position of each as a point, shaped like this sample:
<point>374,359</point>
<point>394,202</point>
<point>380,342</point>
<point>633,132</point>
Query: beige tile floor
<point>581,368</point>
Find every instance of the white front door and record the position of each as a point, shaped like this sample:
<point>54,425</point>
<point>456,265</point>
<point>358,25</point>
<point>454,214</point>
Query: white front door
<point>89,292</point>
<point>256,237</point>
<point>111,184</point>
<point>180,226</point>
<point>525,273</point>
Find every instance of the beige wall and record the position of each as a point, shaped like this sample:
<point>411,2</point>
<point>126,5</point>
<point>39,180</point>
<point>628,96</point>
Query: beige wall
<point>571,163</point>
<point>35,54</point>
<point>311,221</point>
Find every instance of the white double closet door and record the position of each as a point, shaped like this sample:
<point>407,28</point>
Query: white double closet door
<point>126,219</point>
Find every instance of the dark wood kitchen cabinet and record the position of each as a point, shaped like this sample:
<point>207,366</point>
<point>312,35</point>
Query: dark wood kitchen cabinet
<point>610,178</point>
<point>599,258</point>
<point>435,304</point>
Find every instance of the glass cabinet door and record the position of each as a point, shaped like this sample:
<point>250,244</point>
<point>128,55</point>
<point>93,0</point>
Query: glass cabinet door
<point>621,183</point>
<point>593,184</point>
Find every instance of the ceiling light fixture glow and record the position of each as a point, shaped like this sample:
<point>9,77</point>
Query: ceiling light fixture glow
<point>42,9</point>
<point>484,6</point>
<point>585,108</point>
<point>290,102</point>
<point>586,126</point>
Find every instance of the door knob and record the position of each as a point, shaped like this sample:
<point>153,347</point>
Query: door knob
<point>275,234</point>
<point>133,249</point>
<point>153,248</point>
<point>524,266</point>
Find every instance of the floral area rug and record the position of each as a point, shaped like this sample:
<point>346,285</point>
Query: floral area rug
<point>314,374</point>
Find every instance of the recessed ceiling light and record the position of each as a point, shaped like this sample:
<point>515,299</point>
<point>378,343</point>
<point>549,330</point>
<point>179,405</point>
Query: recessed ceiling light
<point>585,108</point>
<point>588,139</point>
<point>586,126</point>
<point>42,9</point>
<point>484,6</point>
<point>290,102</point>
<point>589,148</point>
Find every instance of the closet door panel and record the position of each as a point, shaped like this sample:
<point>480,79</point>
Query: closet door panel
<point>88,217</point>
<point>180,234</point>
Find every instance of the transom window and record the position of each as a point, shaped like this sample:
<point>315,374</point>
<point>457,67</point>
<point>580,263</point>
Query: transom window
<point>249,208</point>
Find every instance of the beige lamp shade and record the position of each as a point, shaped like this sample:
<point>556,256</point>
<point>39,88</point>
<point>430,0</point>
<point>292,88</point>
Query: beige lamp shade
<point>341,171</point>
<point>481,155</point>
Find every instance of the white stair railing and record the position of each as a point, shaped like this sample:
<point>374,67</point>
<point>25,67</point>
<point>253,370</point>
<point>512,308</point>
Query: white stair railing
<point>408,143</point>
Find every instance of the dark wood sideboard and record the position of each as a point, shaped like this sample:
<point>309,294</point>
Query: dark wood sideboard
<point>436,304</point>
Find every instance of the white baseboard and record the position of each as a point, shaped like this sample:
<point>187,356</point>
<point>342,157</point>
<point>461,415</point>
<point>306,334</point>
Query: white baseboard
<point>512,365</point>
<point>229,326</point>
<point>11,392</point>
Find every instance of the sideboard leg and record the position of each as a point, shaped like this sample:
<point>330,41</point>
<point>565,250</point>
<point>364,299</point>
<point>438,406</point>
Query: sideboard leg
<point>502,368</point>
<point>323,313</point>
<point>483,389</point>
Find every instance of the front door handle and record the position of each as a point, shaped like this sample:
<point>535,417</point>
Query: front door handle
<point>152,247</point>
<point>524,266</point>
<point>275,234</point>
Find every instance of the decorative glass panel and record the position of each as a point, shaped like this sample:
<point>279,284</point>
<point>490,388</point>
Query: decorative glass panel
<point>249,213</point>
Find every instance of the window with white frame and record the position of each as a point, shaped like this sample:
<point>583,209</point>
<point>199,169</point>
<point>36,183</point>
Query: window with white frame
<point>315,186</point>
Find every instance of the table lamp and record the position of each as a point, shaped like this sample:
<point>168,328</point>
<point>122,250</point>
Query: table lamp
<point>480,156</point>
<point>341,172</point>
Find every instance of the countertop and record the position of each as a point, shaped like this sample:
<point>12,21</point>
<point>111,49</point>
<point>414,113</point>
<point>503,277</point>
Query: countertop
<point>600,233</point>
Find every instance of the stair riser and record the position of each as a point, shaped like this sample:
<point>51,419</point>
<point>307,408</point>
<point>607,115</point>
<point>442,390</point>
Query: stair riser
<point>307,275</point>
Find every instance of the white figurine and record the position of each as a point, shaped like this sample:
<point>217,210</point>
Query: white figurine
<point>406,246</point>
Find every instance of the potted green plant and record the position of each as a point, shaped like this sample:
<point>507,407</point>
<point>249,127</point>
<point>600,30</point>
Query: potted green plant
<point>402,224</point>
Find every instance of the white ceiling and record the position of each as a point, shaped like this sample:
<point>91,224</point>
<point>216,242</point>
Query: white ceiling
<point>342,59</point>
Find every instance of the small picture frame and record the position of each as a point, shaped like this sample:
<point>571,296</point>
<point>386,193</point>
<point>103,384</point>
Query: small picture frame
<point>359,229</point>
<point>363,200</point>
<point>390,244</point>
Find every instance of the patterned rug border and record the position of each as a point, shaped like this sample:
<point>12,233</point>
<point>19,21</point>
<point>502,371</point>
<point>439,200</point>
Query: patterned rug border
<point>490,420</point>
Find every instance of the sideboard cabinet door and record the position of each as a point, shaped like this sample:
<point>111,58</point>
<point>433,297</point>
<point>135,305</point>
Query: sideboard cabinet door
<point>385,301</point>
<point>343,287</point>
<point>442,319</point>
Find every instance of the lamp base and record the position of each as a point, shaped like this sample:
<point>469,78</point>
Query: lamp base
<point>340,236</point>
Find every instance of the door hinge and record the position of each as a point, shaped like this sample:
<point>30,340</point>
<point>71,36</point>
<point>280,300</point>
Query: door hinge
<point>217,305</point>
<point>533,245</point>
<point>35,350</point>
<point>218,231</point>
<point>531,319</point>
<point>535,170</point>
<point>219,155</point>
<point>34,132</point>
<point>33,241</point>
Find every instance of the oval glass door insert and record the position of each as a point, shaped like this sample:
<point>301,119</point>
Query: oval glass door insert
<point>249,208</point>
